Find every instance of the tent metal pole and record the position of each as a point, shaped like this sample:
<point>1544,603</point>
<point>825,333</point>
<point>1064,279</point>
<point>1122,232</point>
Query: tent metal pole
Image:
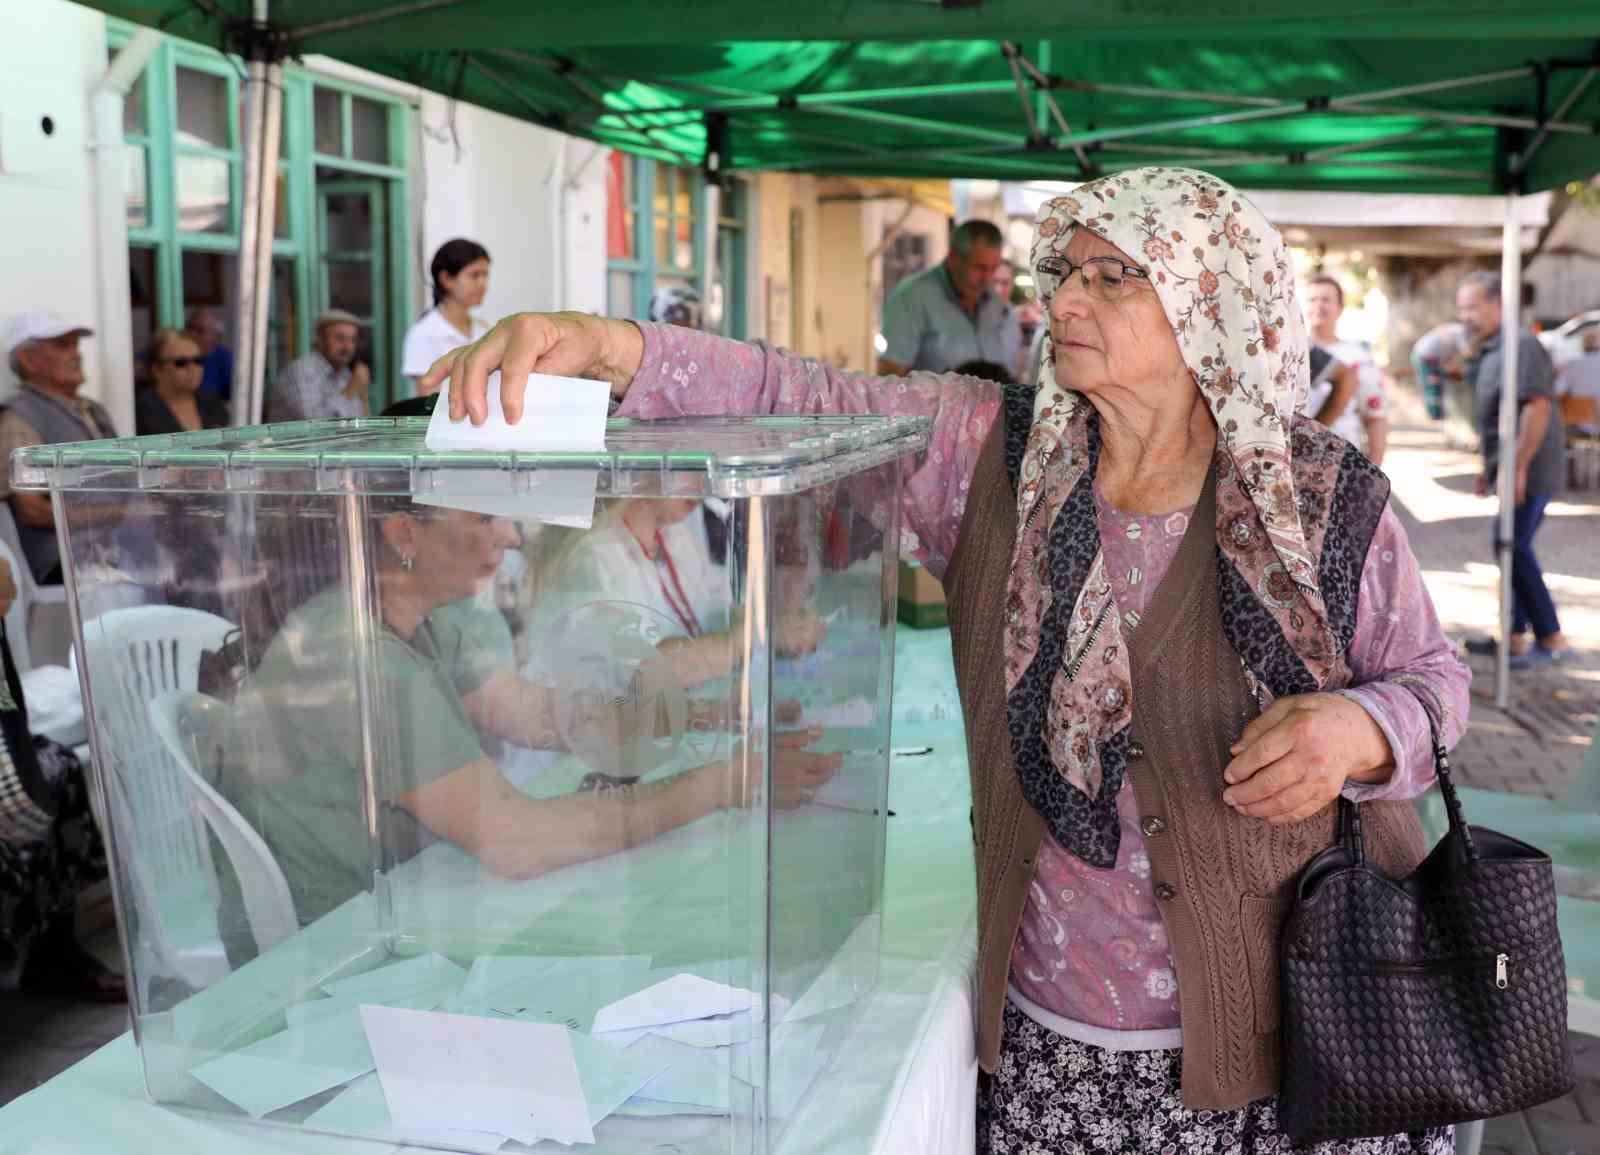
<point>708,264</point>
<point>1209,120</point>
<point>1042,100</point>
<point>1469,118</point>
<point>1505,482</point>
<point>249,364</point>
<point>1543,134</point>
<point>1047,100</point>
<point>378,16</point>
<point>1166,94</point>
<point>920,124</point>
<point>1011,54</point>
<point>1482,79</point>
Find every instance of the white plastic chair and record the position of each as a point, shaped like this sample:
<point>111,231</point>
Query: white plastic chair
<point>36,604</point>
<point>17,615</point>
<point>181,718</point>
<point>134,656</point>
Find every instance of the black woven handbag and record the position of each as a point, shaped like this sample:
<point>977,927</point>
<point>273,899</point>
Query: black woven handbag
<point>1420,1001</point>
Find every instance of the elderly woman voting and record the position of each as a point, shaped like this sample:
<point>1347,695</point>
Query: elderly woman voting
<point>1211,628</point>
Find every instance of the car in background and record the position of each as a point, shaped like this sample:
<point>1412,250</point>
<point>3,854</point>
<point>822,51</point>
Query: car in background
<point>1565,343</point>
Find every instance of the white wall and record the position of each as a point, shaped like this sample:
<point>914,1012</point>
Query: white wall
<point>501,191</point>
<point>51,56</point>
<point>516,189</point>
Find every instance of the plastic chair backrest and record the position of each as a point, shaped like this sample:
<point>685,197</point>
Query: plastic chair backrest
<point>184,720</point>
<point>135,655</point>
<point>17,615</point>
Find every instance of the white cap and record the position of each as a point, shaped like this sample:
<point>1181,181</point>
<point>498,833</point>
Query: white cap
<point>40,327</point>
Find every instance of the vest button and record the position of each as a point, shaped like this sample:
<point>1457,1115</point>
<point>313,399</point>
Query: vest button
<point>1135,749</point>
<point>1153,826</point>
<point>1166,892</point>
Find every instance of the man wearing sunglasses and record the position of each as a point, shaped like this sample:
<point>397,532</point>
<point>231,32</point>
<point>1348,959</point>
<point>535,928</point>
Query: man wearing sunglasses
<point>46,410</point>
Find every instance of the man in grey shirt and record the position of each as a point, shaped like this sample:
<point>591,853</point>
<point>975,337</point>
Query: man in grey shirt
<point>948,315</point>
<point>328,382</point>
<point>1539,452</point>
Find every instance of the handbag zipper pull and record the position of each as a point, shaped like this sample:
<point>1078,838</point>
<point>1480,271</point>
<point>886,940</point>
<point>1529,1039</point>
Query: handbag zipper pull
<point>1500,979</point>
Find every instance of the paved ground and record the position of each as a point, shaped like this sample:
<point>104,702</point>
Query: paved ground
<point>1536,746</point>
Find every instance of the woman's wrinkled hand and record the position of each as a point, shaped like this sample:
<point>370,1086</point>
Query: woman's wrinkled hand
<point>1295,758</point>
<point>562,344</point>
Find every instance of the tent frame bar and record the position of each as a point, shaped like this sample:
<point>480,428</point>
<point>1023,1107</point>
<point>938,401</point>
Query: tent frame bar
<point>1048,99</point>
<point>1543,134</point>
<point>377,16</point>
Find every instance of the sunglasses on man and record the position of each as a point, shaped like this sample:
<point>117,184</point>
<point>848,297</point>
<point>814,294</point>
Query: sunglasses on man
<point>182,362</point>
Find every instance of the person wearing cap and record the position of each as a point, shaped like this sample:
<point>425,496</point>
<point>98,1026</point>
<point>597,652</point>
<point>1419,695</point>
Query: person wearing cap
<point>42,350</point>
<point>327,382</point>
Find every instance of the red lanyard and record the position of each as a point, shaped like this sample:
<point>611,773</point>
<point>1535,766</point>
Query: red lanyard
<point>674,594</point>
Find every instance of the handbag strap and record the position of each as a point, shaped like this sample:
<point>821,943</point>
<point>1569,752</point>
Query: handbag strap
<point>1350,812</point>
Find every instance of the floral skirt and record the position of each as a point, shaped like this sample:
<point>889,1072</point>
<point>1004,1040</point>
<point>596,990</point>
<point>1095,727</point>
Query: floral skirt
<point>1052,1095</point>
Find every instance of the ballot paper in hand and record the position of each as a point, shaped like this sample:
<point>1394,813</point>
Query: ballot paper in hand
<point>675,1000</point>
<point>559,415</point>
<point>447,1072</point>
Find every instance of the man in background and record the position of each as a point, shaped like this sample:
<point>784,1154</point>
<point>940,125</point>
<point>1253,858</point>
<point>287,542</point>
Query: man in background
<point>950,314</point>
<point>1539,451</point>
<point>205,326</point>
<point>1364,422</point>
<point>328,382</point>
<point>43,352</point>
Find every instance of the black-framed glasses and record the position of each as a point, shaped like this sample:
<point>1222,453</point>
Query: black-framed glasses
<point>183,362</point>
<point>1104,278</point>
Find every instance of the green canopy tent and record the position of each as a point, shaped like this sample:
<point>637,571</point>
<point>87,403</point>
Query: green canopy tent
<point>1452,96</point>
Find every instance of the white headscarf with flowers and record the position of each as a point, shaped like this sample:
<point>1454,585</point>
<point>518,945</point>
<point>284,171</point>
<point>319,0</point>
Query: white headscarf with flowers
<point>1224,278</point>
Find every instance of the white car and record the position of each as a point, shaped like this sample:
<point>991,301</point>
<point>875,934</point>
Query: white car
<point>1565,344</point>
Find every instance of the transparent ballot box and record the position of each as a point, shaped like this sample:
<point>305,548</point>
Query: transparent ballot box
<point>492,800</point>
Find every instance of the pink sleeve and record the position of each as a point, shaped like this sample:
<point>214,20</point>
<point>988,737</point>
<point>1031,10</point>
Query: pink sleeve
<point>1404,670</point>
<point>686,373</point>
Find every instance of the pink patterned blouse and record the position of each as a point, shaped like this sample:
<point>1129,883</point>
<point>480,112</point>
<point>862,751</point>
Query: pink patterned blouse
<point>1092,949</point>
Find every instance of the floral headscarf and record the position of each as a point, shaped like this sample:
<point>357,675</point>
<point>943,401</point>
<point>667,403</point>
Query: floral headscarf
<point>1224,278</point>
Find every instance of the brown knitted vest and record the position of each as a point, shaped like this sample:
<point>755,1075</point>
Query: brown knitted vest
<point>1222,881</point>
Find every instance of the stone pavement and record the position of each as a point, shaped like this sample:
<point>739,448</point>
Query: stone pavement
<point>1536,745</point>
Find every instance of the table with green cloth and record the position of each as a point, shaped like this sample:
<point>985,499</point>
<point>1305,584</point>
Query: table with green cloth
<point>902,1081</point>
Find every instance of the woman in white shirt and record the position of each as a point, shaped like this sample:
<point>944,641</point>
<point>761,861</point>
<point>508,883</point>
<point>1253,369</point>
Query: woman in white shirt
<point>460,271</point>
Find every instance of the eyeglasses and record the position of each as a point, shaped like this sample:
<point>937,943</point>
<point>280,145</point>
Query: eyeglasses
<point>1104,278</point>
<point>183,362</point>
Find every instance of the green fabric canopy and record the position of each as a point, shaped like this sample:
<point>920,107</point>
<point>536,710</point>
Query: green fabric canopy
<point>1464,96</point>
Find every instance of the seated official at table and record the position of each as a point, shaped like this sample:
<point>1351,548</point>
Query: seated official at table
<point>294,764</point>
<point>655,553</point>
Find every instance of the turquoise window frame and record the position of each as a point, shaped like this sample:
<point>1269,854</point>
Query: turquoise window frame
<point>298,164</point>
<point>648,265</point>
